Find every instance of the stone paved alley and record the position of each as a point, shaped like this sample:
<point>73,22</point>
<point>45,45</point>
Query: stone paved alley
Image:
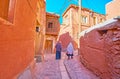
<point>62,69</point>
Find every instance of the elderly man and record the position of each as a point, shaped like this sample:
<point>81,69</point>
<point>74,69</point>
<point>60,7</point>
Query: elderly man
<point>58,50</point>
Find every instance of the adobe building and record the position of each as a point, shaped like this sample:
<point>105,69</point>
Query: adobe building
<point>100,49</point>
<point>71,21</point>
<point>112,9</point>
<point>40,30</point>
<point>17,41</point>
<point>52,31</point>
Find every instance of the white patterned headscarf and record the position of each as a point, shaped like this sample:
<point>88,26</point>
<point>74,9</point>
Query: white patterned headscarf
<point>70,48</point>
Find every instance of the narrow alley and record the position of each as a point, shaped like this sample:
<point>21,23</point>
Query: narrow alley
<point>38,38</point>
<point>62,69</point>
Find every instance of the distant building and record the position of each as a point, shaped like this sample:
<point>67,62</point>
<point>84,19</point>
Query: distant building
<point>52,31</point>
<point>71,21</point>
<point>112,9</point>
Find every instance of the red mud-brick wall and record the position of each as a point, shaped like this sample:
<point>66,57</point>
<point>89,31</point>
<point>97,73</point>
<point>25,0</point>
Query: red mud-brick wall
<point>65,40</point>
<point>100,51</point>
<point>17,39</point>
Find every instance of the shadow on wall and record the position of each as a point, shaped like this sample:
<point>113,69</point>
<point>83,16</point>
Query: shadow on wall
<point>65,40</point>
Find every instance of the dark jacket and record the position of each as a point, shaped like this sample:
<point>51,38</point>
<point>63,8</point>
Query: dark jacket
<point>58,47</point>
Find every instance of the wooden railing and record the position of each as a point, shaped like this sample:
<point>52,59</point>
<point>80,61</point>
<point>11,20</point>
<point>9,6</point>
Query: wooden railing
<point>53,31</point>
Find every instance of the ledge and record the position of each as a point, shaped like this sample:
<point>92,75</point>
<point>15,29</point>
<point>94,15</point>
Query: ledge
<point>5,22</point>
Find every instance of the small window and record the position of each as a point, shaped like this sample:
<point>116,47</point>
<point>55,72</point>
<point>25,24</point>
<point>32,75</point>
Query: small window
<point>84,19</point>
<point>94,20</point>
<point>50,25</point>
<point>101,20</point>
<point>37,29</point>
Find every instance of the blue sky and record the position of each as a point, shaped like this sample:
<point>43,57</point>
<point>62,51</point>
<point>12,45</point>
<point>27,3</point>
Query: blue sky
<point>59,6</point>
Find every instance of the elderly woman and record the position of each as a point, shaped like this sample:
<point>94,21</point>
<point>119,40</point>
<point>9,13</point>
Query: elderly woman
<point>70,50</point>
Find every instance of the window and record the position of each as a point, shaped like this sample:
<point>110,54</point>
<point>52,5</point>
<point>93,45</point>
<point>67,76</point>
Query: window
<point>7,9</point>
<point>101,20</point>
<point>84,19</point>
<point>37,29</point>
<point>94,20</point>
<point>50,25</point>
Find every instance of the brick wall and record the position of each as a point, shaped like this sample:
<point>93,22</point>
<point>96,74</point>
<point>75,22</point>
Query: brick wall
<point>100,50</point>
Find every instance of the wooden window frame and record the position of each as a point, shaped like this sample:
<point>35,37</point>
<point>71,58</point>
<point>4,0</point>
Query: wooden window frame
<point>50,24</point>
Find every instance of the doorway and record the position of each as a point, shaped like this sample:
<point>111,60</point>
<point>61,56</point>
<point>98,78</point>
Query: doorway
<point>48,46</point>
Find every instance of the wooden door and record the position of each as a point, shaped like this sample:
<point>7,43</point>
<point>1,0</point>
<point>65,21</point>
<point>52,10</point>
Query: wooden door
<point>48,46</point>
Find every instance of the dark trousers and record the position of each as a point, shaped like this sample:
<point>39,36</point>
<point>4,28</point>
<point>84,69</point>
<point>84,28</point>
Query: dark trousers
<point>58,55</point>
<point>70,55</point>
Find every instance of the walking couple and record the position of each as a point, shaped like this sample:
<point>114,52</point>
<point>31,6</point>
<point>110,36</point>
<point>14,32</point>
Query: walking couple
<point>69,52</point>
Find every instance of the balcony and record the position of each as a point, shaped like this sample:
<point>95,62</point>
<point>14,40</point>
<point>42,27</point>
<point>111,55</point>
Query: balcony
<point>52,31</point>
